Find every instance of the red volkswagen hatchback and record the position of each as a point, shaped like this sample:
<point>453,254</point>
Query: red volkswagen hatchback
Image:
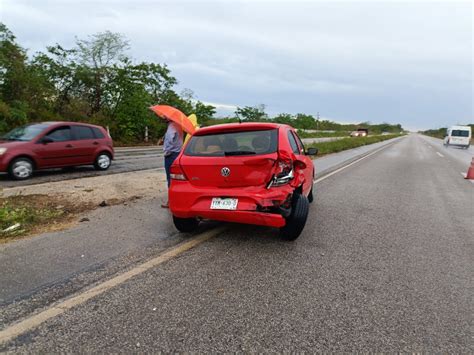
<point>52,145</point>
<point>255,173</point>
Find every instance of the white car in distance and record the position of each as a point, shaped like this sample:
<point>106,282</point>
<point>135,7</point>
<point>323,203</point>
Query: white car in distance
<point>459,136</point>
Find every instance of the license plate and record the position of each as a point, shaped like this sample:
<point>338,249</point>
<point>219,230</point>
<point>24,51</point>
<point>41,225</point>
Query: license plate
<point>224,203</point>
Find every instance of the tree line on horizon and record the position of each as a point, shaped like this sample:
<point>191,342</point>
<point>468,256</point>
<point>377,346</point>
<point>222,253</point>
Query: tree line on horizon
<point>97,82</point>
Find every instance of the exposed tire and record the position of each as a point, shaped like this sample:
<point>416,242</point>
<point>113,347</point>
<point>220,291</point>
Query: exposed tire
<point>102,161</point>
<point>297,219</point>
<point>185,225</point>
<point>21,168</point>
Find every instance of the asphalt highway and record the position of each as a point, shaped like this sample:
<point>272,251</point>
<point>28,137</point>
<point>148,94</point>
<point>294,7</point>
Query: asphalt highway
<point>118,232</point>
<point>383,264</point>
<point>463,156</point>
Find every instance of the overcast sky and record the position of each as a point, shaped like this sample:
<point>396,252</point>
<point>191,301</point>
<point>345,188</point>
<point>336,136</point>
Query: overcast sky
<point>397,62</point>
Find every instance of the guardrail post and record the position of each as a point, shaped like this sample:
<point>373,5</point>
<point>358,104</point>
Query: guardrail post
<point>146,134</point>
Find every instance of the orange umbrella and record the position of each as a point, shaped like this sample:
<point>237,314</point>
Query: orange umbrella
<point>175,115</point>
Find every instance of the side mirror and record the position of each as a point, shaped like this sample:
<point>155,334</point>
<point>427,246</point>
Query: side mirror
<point>46,140</point>
<point>312,151</point>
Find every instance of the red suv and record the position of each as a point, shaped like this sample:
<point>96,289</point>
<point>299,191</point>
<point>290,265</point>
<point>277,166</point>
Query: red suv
<point>255,173</point>
<point>52,145</point>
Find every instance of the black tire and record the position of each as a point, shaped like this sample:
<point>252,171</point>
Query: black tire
<point>102,161</point>
<point>297,219</point>
<point>185,225</point>
<point>310,196</point>
<point>21,168</point>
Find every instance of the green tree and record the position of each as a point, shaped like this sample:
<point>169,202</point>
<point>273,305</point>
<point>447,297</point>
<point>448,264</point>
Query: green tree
<point>98,55</point>
<point>284,118</point>
<point>305,121</point>
<point>251,113</point>
<point>22,90</point>
<point>204,112</point>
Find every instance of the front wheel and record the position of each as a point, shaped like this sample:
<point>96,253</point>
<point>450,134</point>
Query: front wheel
<point>102,161</point>
<point>297,218</point>
<point>185,225</point>
<point>21,169</point>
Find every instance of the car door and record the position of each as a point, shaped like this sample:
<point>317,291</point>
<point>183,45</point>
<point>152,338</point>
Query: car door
<point>56,148</point>
<point>299,151</point>
<point>85,143</point>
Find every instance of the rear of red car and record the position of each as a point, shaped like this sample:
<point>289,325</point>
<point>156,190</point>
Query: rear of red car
<point>237,173</point>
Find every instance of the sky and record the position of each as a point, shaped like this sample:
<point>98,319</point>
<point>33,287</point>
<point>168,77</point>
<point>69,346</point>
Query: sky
<point>379,61</point>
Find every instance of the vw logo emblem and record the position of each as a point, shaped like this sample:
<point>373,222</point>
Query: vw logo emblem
<point>225,171</point>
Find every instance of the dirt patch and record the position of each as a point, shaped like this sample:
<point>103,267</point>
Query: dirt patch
<point>24,215</point>
<point>58,205</point>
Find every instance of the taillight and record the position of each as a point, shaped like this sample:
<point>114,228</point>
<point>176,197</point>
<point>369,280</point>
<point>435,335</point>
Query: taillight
<point>176,173</point>
<point>283,175</point>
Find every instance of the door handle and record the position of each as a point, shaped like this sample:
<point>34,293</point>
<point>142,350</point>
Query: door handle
<point>96,143</point>
<point>69,146</point>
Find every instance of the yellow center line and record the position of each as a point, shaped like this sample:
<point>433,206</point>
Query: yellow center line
<point>17,329</point>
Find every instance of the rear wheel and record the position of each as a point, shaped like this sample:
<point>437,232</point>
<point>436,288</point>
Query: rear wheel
<point>21,169</point>
<point>297,219</point>
<point>102,161</point>
<point>185,225</point>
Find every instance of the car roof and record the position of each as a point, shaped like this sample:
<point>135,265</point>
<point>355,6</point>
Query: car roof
<point>238,127</point>
<point>460,127</point>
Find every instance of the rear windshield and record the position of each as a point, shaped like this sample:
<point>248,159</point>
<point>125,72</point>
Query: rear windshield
<point>233,143</point>
<point>459,133</point>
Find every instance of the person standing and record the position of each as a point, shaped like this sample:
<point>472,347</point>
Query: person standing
<point>172,144</point>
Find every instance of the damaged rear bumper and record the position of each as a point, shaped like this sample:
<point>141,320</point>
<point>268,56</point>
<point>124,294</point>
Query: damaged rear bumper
<point>256,205</point>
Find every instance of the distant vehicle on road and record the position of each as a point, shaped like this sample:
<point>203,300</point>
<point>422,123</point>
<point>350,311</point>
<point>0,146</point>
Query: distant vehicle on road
<point>458,136</point>
<point>254,173</point>
<point>361,132</point>
<point>52,145</point>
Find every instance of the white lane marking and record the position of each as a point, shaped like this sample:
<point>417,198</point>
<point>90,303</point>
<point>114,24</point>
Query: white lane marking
<point>441,155</point>
<point>350,164</point>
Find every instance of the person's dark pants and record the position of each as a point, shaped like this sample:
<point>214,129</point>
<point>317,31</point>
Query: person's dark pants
<point>169,159</point>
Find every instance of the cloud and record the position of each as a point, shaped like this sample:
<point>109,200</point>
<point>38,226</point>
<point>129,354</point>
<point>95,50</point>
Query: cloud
<point>379,61</point>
